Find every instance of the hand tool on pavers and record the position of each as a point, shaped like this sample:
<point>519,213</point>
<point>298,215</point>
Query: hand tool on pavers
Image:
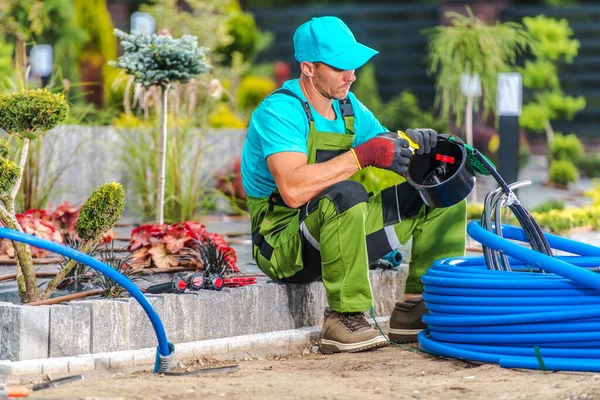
<point>9,392</point>
<point>56,382</point>
<point>175,285</point>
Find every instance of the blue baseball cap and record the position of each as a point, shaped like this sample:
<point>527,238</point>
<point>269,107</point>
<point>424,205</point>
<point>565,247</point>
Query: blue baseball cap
<point>330,41</point>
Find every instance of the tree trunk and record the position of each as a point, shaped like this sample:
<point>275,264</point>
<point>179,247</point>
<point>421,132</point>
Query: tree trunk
<point>22,252</point>
<point>549,139</point>
<point>26,279</point>
<point>22,161</point>
<point>160,201</point>
<point>469,120</point>
<point>469,137</point>
<point>21,62</point>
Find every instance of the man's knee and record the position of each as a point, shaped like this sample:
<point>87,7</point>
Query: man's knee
<point>344,195</point>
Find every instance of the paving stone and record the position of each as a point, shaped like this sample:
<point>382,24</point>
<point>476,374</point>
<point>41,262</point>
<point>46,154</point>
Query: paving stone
<point>144,357</point>
<point>274,308</point>
<point>70,331</point>
<point>305,303</point>
<point>217,314</point>
<point>24,332</point>
<point>301,337</point>
<point>205,348</point>
<point>240,344</point>
<point>102,360</point>
<point>28,367</point>
<point>141,331</point>
<point>388,287</point>
<point>84,363</point>
<point>110,324</point>
<point>185,350</point>
<point>182,317</point>
<point>55,365</point>
<point>121,360</point>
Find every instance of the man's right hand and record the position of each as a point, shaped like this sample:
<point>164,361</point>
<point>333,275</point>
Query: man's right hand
<point>386,151</point>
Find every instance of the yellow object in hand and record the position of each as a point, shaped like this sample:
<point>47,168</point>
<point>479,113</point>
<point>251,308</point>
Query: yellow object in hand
<point>412,145</point>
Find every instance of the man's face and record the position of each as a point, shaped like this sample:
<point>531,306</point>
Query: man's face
<point>333,83</point>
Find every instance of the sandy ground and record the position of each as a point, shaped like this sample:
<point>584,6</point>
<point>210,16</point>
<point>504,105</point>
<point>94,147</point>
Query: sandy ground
<point>389,373</point>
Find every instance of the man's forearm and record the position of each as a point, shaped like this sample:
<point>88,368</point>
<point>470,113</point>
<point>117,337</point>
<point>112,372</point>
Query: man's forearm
<point>309,180</point>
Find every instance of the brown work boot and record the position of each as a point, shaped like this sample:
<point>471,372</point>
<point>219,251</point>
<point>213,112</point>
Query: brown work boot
<point>349,333</point>
<point>405,322</point>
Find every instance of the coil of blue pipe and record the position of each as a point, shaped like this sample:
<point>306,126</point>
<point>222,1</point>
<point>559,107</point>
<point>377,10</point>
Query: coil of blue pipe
<point>519,319</point>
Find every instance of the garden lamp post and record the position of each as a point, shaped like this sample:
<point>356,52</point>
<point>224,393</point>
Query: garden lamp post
<point>470,87</point>
<point>508,108</point>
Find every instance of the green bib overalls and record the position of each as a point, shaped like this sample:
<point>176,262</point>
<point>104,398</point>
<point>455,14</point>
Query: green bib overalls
<point>337,234</point>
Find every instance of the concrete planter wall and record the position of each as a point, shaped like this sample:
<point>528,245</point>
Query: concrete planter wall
<point>101,326</point>
<point>93,152</point>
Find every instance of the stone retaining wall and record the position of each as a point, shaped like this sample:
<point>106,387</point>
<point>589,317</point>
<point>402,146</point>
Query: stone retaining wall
<point>92,156</point>
<point>103,325</point>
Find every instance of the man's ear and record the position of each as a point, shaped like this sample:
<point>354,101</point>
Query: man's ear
<point>307,68</point>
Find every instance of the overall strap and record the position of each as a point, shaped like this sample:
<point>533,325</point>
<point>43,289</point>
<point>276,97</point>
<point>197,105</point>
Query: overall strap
<point>305,104</point>
<point>348,114</point>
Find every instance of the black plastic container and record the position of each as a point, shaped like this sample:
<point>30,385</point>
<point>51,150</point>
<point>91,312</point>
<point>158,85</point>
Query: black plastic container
<point>441,177</point>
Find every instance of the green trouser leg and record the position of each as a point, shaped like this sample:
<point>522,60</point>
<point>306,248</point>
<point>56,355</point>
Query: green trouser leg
<point>340,232</point>
<point>437,233</point>
<point>343,240</point>
<point>349,229</point>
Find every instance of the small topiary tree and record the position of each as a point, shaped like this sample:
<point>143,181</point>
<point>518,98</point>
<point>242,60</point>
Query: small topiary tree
<point>26,115</point>
<point>98,215</point>
<point>551,45</point>
<point>161,60</point>
<point>562,172</point>
<point>471,46</point>
<point>567,147</point>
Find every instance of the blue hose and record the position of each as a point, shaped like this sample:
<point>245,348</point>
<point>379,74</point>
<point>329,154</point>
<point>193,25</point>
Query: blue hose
<point>165,349</point>
<point>525,319</point>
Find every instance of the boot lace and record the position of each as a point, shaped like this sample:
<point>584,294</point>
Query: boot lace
<point>354,321</point>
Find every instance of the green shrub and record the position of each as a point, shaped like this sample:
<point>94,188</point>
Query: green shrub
<point>30,113</point>
<point>223,117</point>
<point>252,90</point>
<point>562,172</point>
<point>101,211</point>
<point>550,205</point>
<point>366,90</point>
<point>375,179</point>
<point>245,35</point>
<point>160,60</point>
<point>566,147</point>
<point>589,165</point>
<point>9,174</point>
<point>3,148</point>
<point>474,211</point>
<point>403,111</point>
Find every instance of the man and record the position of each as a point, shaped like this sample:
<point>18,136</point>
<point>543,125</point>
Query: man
<point>309,221</point>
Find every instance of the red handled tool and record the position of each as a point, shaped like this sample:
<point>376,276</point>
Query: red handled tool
<point>175,285</point>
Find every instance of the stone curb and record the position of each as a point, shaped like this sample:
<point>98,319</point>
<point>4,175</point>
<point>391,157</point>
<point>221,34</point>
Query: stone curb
<point>271,343</point>
<point>100,326</point>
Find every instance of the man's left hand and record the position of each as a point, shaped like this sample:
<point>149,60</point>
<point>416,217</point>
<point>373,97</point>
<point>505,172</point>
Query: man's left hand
<point>425,138</point>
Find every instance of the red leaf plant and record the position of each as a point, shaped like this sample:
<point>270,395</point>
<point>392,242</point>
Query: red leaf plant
<point>169,245</point>
<point>37,223</point>
<point>229,182</point>
<point>50,225</point>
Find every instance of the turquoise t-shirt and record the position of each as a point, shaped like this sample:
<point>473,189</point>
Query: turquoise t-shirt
<point>279,124</point>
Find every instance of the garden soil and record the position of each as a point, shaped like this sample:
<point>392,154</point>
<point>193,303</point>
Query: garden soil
<point>389,373</point>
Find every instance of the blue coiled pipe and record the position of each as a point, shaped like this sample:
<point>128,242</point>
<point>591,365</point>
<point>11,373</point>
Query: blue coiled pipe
<point>525,319</point>
<point>165,349</point>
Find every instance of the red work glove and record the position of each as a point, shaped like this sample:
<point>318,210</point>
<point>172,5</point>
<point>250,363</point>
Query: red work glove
<point>386,151</point>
